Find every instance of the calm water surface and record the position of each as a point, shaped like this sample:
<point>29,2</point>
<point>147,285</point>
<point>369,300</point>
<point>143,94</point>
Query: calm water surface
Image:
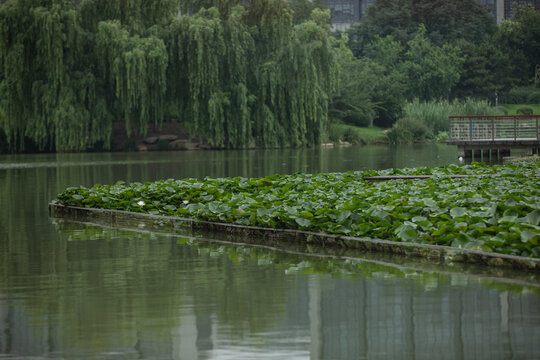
<point>78,292</point>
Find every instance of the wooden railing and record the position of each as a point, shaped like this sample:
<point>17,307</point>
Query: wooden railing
<point>494,128</point>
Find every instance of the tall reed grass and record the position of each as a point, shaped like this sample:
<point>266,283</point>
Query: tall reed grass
<point>425,120</point>
<point>434,114</point>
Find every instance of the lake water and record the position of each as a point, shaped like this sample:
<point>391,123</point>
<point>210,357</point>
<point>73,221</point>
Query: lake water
<point>79,291</point>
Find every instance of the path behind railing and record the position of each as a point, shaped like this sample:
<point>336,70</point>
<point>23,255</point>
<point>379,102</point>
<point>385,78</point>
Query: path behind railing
<point>494,134</point>
<point>516,127</point>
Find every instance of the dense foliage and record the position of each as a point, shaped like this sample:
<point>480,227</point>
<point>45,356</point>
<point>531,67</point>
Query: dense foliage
<point>240,74</point>
<point>236,75</point>
<point>498,213</point>
<point>369,92</point>
<point>433,50</point>
<point>427,120</point>
<point>521,95</point>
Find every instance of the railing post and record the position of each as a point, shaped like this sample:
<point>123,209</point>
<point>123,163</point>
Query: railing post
<point>515,128</point>
<point>471,130</point>
<point>492,131</point>
<point>537,132</point>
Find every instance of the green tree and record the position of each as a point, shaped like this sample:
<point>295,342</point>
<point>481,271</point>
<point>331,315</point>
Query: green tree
<point>486,70</point>
<point>134,69</point>
<point>138,15</point>
<point>520,39</point>
<point>431,71</point>
<point>302,9</point>
<point>385,51</point>
<point>368,92</point>
<point>236,75</point>
<point>445,21</point>
<point>352,102</point>
<point>48,96</point>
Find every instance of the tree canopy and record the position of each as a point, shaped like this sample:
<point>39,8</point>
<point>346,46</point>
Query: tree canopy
<point>240,76</point>
<point>445,21</point>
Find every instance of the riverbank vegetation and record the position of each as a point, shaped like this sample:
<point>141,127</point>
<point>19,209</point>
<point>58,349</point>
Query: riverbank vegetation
<point>238,76</point>
<point>339,131</point>
<point>495,209</point>
<point>263,73</point>
<point>429,120</point>
<point>448,59</point>
<point>520,109</point>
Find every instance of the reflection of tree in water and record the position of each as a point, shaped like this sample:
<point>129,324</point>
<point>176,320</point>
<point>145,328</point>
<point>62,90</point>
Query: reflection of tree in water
<point>104,290</point>
<point>112,289</point>
<point>225,287</point>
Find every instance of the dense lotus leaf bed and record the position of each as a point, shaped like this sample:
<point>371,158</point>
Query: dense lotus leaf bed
<point>492,213</point>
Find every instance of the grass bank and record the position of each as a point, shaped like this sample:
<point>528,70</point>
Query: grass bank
<point>355,134</point>
<point>491,213</point>
<point>512,109</point>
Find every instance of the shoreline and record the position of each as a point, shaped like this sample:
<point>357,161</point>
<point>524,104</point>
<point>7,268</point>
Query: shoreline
<point>436,254</point>
<point>425,212</point>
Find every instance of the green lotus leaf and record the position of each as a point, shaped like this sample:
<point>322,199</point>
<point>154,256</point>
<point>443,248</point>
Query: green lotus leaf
<point>264,212</point>
<point>429,202</point>
<point>343,216</point>
<point>303,222</point>
<point>406,233</point>
<point>528,236</point>
<point>534,217</point>
<point>508,219</point>
<point>458,212</point>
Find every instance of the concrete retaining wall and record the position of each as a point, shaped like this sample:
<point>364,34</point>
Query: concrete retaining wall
<point>266,236</point>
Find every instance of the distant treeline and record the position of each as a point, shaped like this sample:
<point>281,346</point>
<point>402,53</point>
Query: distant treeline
<point>403,50</point>
<point>238,75</point>
<point>247,73</point>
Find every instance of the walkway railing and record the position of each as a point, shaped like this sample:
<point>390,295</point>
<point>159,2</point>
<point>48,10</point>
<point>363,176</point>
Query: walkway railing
<point>494,128</point>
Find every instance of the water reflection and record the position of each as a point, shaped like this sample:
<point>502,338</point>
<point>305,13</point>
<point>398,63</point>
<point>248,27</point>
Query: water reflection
<point>84,292</point>
<point>118,294</point>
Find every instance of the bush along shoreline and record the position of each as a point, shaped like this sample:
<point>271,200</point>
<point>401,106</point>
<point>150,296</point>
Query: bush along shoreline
<point>494,209</point>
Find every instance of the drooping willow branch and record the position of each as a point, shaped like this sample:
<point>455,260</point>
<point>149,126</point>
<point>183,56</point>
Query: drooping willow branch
<point>240,78</point>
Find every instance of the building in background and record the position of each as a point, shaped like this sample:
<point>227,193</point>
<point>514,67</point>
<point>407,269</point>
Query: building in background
<point>346,12</point>
<point>507,6</point>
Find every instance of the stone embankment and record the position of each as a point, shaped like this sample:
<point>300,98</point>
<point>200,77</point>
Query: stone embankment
<point>170,136</point>
<point>441,255</point>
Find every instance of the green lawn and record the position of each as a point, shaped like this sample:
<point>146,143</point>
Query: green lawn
<point>356,134</point>
<point>512,108</point>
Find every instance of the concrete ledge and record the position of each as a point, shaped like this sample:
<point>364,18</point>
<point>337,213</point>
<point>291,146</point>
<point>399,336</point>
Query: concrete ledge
<point>267,236</point>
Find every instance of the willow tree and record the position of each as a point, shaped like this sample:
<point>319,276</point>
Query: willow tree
<point>46,93</point>
<point>239,76</point>
<point>244,76</point>
<point>138,15</point>
<point>234,73</point>
<point>315,67</point>
<point>294,75</point>
<point>134,70</point>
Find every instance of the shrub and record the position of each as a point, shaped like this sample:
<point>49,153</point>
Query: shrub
<point>524,111</point>
<point>408,130</point>
<point>442,136</point>
<point>521,95</point>
<point>351,136</point>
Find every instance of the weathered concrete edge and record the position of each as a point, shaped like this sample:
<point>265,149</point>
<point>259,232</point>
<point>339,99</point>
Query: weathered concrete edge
<point>192,227</point>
